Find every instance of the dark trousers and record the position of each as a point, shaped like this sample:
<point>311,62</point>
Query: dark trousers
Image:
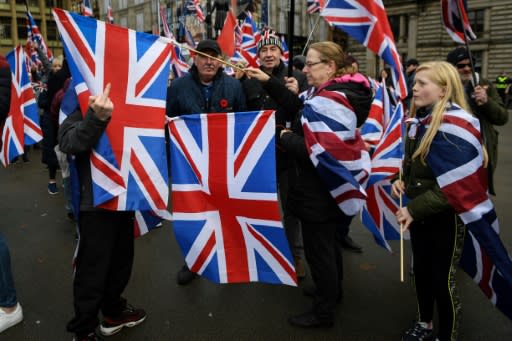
<point>103,267</point>
<point>290,222</point>
<point>436,247</point>
<point>325,262</point>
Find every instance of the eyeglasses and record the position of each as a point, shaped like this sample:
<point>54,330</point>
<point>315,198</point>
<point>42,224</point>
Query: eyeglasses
<point>310,64</point>
<point>463,65</point>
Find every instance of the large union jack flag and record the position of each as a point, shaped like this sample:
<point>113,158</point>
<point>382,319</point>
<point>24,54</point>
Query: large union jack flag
<point>367,22</point>
<point>35,36</point>
<point>456,158</point>
<point>129,167</point>
<point>378,213</point>
<point>455,20</point>
<point>225,208</point>
<point>22,124</point>
<point>335,146</point>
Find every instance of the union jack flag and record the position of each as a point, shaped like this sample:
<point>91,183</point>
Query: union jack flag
<point>378,117</point>
<point>336,148</point>
<point>456,158</point>
<point>144,221</point>
<point>286,52</point>
<point>87,8</point>
<point>455,20</point>
<point>178,64</point>
<point>378,213</point>
<point>250,38</point>
<point>314,6</point>
<point>367,22</point>
<point>129,167</point>
<point>195,7</point>
<point>34,36</point>
<point>225,208</point>
<point>22,124</point>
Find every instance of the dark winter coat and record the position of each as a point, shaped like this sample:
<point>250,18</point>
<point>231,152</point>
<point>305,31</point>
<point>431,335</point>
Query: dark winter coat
<point>185,95</point>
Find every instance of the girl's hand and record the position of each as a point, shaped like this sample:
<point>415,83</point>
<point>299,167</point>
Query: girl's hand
<point>404,218</point>
<point>397,189</point>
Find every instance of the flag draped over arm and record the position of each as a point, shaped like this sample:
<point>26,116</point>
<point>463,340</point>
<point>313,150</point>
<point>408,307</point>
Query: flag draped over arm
<point>463,180</point>
<point>366,21</point>
<point>22,124</point>
<point>225,208</point>
<point>128,165</point>
<point>455,20</point>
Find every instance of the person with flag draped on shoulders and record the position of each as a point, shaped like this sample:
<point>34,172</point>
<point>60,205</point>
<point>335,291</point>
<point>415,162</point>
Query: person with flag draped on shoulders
<point>105,252</point>
<point>437,232</point>
<point>331,166</point>
<point>11,312</point>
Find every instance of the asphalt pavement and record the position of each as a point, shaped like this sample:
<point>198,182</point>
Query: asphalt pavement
<point>376,306</point>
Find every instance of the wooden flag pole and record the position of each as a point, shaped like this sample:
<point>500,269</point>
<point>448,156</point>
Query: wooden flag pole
<point>174,42</point>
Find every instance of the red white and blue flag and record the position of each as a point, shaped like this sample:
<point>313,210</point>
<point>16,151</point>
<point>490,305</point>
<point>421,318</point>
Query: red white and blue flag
<point>336,148</point>
<point>455,20</point>
<point>456,158</point>
<point>195,7</point>
<point>366,21</point>
<point>87,8</point>
<point>35,36</point>
<point>314,6</point>
<point>225,208</point>
<point>144,221</point>
<point>22,124</point>
<point>378,117</point>
<point>378,213</point>
<point>286,52</point>
<point>128,165</point>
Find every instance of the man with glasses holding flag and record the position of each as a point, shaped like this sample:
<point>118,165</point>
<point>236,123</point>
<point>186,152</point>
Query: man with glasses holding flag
<point>485,104</point>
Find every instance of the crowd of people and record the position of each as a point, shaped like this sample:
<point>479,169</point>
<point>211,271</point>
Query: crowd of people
<point>315,225</point>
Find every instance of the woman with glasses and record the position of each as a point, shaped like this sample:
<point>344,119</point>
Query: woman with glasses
<point>324,128</point>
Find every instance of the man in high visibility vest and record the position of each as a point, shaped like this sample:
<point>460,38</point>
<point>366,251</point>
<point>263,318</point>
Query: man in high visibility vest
<point>502,82</point>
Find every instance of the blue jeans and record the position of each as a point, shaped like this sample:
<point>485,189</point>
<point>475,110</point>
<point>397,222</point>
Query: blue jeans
<point>7,291</point>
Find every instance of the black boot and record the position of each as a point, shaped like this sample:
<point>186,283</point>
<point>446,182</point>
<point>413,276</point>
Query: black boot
<point>185,276</point>
<point>309,320</point>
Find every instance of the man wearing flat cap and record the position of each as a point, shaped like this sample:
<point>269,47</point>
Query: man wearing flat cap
<point>205,89</point>
<point>485,104</point>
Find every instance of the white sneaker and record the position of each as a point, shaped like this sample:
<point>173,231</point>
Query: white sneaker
<point>9,320</point>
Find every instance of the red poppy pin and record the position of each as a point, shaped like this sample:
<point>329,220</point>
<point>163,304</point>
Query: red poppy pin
<point>223,103</point>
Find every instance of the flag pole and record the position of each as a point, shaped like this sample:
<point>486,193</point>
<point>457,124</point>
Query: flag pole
<point>291,24</point>
<point>311,34</point>
<point>466,42</point>
<point>401,235</point>
<point>183,46</point>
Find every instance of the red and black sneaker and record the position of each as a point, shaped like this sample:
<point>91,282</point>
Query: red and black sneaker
<point>130,317</point>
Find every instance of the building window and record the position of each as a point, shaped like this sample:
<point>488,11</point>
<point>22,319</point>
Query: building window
<point>476,19</point>
<point>399,25</point>
<point>51,30</point>
<point>5,28</point>
<point>139,22</point>
<point>123,4</point>
<point>123,21</point>
<point>477,58</point>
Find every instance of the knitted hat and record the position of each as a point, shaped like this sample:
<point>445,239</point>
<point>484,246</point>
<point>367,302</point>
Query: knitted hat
<point>269,37</point>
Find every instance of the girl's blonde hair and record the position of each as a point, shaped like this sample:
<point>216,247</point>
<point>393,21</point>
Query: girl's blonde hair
<point>330,51</point>
<point>445,76</point>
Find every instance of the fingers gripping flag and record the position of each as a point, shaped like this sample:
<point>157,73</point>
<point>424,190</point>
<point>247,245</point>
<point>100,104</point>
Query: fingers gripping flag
<point>128,165</point>
<point>22,124</point>
<point>225,208</point>
<point>366,21</point>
